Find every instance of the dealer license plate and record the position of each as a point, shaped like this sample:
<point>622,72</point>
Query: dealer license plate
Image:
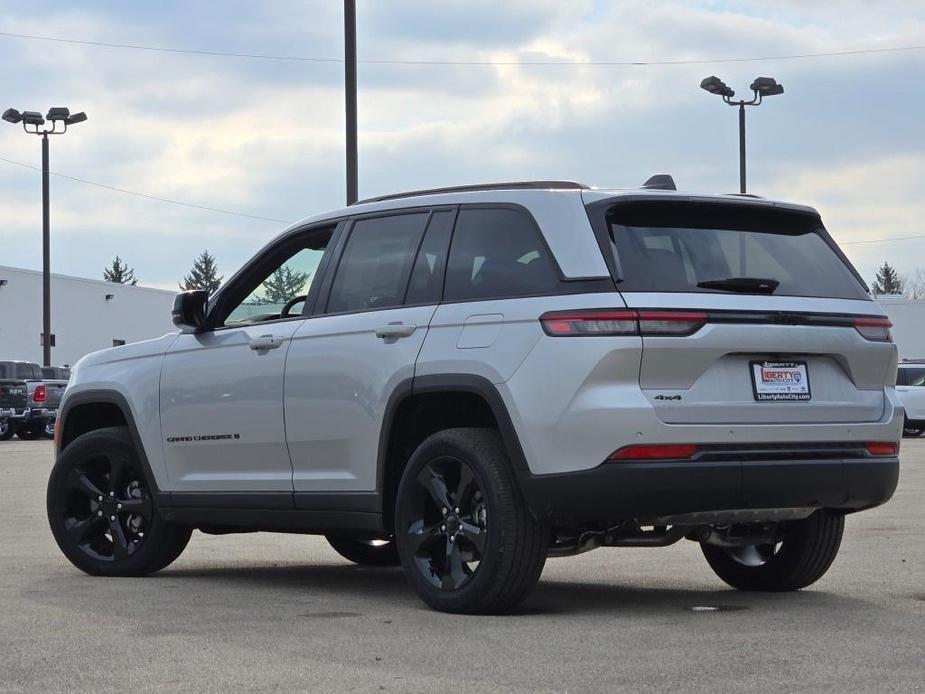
<point>780,380</point>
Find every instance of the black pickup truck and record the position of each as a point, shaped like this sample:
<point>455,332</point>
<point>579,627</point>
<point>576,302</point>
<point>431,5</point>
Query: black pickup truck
<point>28,401</point>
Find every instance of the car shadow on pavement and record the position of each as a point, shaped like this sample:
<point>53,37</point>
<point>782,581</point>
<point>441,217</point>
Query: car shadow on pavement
<point>550,597</point>
<point>355,587</point>
<point>634,600</point>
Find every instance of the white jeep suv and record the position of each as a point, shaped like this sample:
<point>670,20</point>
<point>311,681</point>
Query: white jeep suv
<point>466,381</point>
<point>910,386</point>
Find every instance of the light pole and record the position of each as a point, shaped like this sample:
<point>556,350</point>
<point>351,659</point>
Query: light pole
<point>762,87</point>
<point>35,120</point>
<point>350,96</point>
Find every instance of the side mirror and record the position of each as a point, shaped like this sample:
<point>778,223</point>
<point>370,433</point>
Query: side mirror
<point>189,310</point>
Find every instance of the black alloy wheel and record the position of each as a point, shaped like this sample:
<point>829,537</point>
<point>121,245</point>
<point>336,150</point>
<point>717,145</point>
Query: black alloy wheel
<point>910,429</point>
<point>106,507</point>
<point>449,532</point>
<point>804,551</point>
<point>102,512</point>
<point>466,539</point>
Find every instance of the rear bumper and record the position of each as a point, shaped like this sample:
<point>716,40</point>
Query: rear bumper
<point>27,414</point>
<point>17,413</point>
<point>625,491</point>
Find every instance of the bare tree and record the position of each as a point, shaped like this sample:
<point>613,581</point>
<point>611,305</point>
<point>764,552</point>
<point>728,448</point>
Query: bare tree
<point>914,284</point>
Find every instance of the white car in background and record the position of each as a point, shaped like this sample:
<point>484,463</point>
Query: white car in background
<point>910,386</point>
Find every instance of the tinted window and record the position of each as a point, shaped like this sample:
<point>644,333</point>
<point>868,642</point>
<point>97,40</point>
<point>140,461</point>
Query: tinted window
<point>426,285</point>
<point>679,246</point>
<point>373,271</point>
<point>6,370</point>
<point>27,371</point>
<point>497,253</point>
<point>913,377</point>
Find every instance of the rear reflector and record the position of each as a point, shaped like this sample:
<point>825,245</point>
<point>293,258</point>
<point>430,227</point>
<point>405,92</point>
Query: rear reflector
<point>657,451</point>
<point>600,322</point>
<point>876,329</point>
<point>882,448</point>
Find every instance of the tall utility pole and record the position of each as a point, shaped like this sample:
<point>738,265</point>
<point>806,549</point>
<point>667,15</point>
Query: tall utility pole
<point>762,87</point>
<point>32,123</point>
<point>46,258</point>
<point>350,94</point>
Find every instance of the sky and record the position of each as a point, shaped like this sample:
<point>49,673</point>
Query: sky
<point>265,138</point>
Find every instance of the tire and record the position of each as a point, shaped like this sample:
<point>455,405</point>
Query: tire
<point>803,555</point>
<point>102,512</point>
<point>912,432</point>
<point>491,527</point>
<point>28,434</point>
<point>364,552</point>
<point>6,431</point>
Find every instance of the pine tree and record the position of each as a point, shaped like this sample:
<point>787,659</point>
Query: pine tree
<point>888,281</point>
<point>120,273</point>
<point>203,275</point>
<point>283,285</point>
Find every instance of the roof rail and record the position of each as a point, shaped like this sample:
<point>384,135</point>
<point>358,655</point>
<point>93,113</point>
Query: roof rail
<point>513,185</point>
<point>660,182</point>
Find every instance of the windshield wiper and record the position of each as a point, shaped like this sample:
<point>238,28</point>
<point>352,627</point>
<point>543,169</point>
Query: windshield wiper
<point>744,285</point>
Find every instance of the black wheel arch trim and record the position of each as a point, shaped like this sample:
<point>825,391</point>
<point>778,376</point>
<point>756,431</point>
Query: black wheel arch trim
<point>450,383</point>
<point>110,397</point>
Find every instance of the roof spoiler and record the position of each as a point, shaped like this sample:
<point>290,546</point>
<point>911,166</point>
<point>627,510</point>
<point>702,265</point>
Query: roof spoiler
<point>660,182</point>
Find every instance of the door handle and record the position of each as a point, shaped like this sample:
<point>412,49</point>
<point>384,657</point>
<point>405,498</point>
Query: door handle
<point>265,342</point>
<point>395,330</point>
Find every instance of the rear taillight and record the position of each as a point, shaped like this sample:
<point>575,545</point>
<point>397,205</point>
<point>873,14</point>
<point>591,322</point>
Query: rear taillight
<point>39,394</point>
<point>876,329</point>
<point>671,322</point>
<point>590,322</point>
<point>655,451</point>
<point>882,448</point>
<point>600,322</point>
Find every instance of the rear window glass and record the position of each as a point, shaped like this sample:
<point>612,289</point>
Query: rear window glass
<point>496,253</point>
<point>680,247</point>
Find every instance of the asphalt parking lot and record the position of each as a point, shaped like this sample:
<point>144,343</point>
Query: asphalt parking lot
<point>283,612</point>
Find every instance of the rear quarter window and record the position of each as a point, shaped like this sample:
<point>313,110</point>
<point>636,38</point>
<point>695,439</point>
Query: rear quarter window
<point>498,253</point>
<point>677,246</point>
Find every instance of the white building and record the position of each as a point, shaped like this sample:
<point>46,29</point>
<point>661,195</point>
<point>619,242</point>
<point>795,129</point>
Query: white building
<point>86,315</point>
<point>908,316</point>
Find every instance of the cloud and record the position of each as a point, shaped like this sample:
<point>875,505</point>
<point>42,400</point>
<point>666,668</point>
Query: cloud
<point>267,138</point>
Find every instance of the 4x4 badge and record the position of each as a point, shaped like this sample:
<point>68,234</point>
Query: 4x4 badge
<point>667,397</point>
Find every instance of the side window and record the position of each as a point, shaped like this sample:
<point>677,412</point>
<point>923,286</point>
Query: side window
<point>289,276</point>
<point>497,252</point>
<point>901,377</point>
<point>374,268</point>
<point>915,377</point>
<point>426,285</point>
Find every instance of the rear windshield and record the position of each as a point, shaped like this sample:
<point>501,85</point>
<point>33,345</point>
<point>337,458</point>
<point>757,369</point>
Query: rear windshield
<point>679,246</point>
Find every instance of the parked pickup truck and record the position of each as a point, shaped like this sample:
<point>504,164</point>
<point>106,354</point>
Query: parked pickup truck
<point>28,402</point>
